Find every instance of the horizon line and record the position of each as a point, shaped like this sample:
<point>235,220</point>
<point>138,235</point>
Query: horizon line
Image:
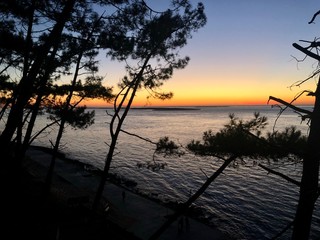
<point>193,106</point>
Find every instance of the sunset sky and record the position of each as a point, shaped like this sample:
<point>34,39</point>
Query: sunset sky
<point>243,55</point>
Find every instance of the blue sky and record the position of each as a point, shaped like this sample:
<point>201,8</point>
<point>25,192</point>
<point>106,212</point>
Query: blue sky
<point>242,55</point>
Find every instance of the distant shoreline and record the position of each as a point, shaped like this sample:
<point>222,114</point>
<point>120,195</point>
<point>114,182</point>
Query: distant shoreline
<point>167,108</point>
<point>191,108</point>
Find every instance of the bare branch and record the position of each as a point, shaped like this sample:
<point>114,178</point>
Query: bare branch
<point>301,110</point>
<point>42,130</point>
<point>283,231</point>
<point>280,174</point>
<point>135,135</point>
<point>150,9</point>
<point>204,173</point>
<point>184,207</point>
<point>306,51</point>
<point>314,17</point>
<point>299,83</point>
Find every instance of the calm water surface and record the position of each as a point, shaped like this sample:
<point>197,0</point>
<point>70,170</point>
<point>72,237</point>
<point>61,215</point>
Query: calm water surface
<point>244,202</point>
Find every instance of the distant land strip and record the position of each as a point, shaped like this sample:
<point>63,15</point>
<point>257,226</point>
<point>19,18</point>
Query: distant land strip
<point>175,108</point>
<point>167,108</point>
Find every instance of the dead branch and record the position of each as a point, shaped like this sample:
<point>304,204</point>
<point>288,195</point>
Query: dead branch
<point>299,83</point>
<point>314,17</point>
<point>283,231</point>
<point>135,135</point>
<point>301,110</point>
<point>42,130</point>
<point>306,51</point>
<point>184,207</point>
<point>280,174</point>
<point>204,173</point>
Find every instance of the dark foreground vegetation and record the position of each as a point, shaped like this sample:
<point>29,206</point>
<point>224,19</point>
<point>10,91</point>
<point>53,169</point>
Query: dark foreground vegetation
<point>66,214</point>
<point>30,216</point>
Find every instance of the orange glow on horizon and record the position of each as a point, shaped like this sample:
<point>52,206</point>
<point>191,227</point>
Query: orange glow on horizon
<point>200,101</point>
<point>192,89</point>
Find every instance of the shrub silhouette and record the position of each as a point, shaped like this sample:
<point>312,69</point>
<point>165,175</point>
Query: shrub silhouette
<point>243,139</point>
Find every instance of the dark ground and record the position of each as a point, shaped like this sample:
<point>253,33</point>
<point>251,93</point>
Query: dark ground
<point>26,214</point>
<point>29,216</point>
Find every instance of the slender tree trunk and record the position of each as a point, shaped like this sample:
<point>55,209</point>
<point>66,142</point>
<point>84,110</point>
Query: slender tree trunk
<point>114,135</point>
<point>83,48</point>
<point>21,151</point>
<point>310,177</point>
<point>4,108</point>
<point>26,85</point>
<point>108,160</point>
<point>26,55</point>
<point>48,181</point>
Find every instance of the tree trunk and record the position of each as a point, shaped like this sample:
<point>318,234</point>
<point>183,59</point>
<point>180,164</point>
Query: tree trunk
<point>114,139</point>
<point>310,177</point>
<point>26,84</point>
<point>48,181</point>
<point>114,135</point>
<point>36,106</point>
<point>82,50</point>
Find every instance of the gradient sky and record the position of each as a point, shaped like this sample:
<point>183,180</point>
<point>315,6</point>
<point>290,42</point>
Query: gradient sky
<point>243,55</point>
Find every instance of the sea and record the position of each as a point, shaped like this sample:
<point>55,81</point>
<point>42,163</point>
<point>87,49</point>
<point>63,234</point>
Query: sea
<point>245,202</point>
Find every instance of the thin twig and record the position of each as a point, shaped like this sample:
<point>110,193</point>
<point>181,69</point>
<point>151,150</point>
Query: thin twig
<point>283,230</point>
<point>135,135</point>
<point>297,183</point>
<point>204,173</point>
